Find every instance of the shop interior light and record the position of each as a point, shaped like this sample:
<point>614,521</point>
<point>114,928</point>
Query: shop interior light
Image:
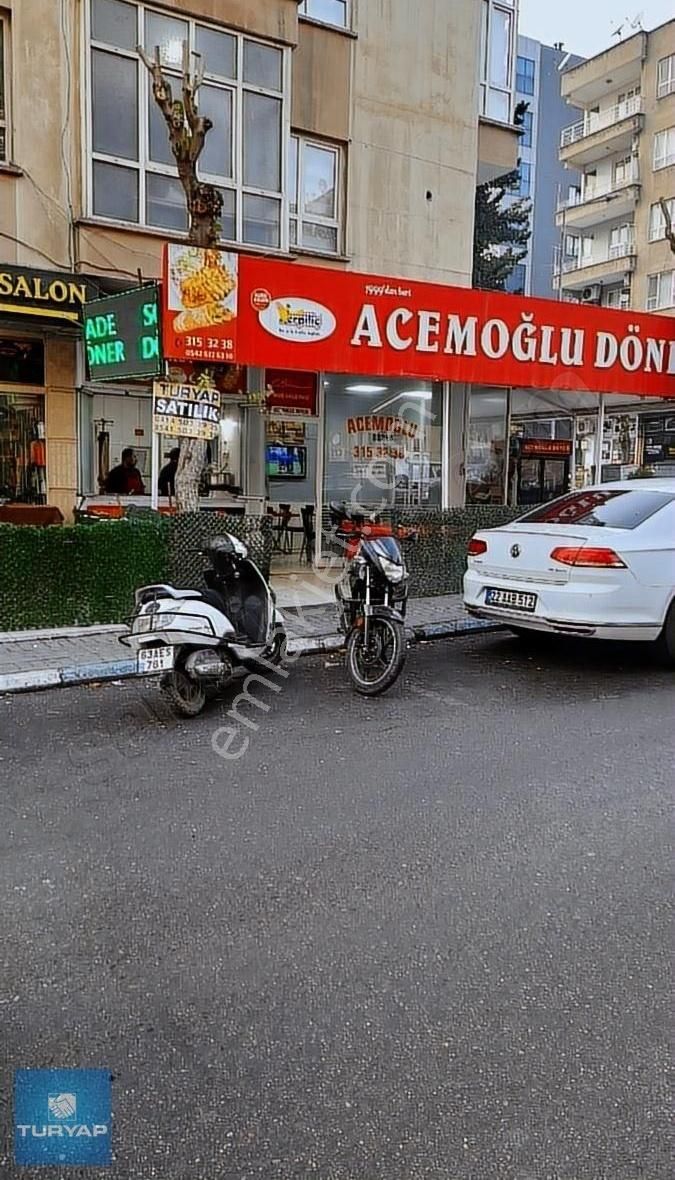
<point>366,388</point>
<point>424,394</point>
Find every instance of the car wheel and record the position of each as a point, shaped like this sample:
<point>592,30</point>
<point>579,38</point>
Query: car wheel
<point>665,644</point>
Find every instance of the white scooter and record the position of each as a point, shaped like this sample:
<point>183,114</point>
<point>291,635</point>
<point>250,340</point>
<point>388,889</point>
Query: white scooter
<point>200,640</point>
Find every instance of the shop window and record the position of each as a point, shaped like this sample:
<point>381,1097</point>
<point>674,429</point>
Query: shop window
<point>525,75</point>
<point>383,442</point>
<point>664,149</point>
<point>23,463</point>
<point>486,446</point>
<point>661,291</point>
<point>657,221</point>
<point>329,12</point>
<point>4,88</point>
<point>665,84</point>
<point>22,362</point>
<point>314,195</point>
<point>244,93</point>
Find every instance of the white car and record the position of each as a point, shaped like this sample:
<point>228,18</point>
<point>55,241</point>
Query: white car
<point>598,563</point>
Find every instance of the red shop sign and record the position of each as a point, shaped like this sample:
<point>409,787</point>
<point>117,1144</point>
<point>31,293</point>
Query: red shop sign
<point>200,298</point>
<point>542,448</point>
<point>294,393</point>
<point>318,319</point>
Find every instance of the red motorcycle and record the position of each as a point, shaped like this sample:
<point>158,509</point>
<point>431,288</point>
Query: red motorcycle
<point>372,597</point>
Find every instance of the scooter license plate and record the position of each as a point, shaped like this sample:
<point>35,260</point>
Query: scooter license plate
<point>152,660</point>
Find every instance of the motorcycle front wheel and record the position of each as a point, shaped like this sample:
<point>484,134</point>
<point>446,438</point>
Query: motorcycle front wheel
<point>373,669</point>
<point>185,696</point>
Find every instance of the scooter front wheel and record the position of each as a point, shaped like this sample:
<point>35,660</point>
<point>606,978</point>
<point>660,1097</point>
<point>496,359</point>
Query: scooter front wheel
<point>185,696</point>
<point>373,668</point>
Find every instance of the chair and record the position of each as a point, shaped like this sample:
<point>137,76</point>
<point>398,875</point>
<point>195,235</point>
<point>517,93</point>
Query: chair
<point>308,532</point>
<point>284,538</point>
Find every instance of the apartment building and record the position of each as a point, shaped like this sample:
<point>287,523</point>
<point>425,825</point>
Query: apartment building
<point>542,175</point>
<point>613,245</point>
<point>347,134</point>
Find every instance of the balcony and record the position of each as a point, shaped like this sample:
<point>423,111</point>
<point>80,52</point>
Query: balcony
<point>598,133</point>
<point>611,266</point>
<point>597,203</point>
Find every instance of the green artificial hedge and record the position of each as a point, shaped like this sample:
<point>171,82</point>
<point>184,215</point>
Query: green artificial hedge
<point>77,575</point>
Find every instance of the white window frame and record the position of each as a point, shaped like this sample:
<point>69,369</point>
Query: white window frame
<point>305,12</point>
<point>145,166</point>
<point>486,85</point>
<point>657,222</point>
<point>661,298</point>
<point>301,216</point>
<point>665,78</point>
<point>5,123</point>
<point>666,157</point>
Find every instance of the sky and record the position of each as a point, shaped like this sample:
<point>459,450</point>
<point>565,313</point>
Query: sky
<point>586,26</point>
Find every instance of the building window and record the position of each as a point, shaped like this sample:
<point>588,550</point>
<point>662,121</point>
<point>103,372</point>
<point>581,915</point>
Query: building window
<point>314,195</point>
<point>329,12</point>
<point>665,83</point>
<point>526,137</point>
<point>661,291</point>
<point>524,75</point>
<point>664,149</point>
<point>516,283</point>
<point>657,222</point>
<point>525,179</point>
<point>244,93</point>
<point>4,88</point>
<point>498,34</point>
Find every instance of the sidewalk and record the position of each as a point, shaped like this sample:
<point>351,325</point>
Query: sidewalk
<point>78,655</point>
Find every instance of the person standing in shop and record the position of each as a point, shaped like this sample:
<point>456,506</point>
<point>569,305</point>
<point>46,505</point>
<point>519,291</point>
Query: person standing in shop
<point>166,484</point>
<point>125,479</point>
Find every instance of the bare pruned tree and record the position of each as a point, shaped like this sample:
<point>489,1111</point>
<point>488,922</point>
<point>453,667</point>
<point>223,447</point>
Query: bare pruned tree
<point>187,135</point>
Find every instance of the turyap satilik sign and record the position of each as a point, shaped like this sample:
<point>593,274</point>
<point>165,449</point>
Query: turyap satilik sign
<point>185,411</point>
<point>313,319</point>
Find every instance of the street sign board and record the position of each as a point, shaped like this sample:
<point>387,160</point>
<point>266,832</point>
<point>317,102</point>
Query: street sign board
<point>185,411</point>
<point>122,335</point>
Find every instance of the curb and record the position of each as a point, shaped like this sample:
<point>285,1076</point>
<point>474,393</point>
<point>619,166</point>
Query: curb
<point>15,682</point>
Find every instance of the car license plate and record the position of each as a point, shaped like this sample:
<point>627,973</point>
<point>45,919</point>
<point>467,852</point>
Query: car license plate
<point>512,599</point>
<point>152,660</point>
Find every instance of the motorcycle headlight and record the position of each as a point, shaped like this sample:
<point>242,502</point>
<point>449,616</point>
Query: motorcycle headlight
<point>392,571</point>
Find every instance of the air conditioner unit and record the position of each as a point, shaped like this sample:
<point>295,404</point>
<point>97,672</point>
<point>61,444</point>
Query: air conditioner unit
<point>591,294</point>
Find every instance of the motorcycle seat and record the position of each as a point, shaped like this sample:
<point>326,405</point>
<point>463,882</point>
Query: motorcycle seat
<point>215,599</point>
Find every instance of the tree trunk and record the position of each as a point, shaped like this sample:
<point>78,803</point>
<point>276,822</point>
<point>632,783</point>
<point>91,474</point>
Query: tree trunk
<point>188,474</point>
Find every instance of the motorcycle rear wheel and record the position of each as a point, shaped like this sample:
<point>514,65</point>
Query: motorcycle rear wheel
<point>186,697</point>
<point>372,672</point>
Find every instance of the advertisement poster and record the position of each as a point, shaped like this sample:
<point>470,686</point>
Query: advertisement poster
<point>201,289</point>
<point>185,411</point>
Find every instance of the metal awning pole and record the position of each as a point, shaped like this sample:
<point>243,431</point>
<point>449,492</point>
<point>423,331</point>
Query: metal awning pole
<point>600,438</point>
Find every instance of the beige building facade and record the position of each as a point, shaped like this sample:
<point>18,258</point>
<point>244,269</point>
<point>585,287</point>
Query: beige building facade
<point>614,249</point>
<point>346,133</point>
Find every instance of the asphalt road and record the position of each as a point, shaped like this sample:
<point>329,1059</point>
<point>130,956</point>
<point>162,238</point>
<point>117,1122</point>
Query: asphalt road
<point>424,936</point>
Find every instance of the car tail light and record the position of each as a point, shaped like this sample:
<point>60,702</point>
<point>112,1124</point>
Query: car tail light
<point>590,558</point>
<point>476,547</point>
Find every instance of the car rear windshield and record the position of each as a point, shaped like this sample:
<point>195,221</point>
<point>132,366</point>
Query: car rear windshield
<point>611,509</point>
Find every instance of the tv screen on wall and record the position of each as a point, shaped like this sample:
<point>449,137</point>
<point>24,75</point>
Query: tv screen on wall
<point>286,462</point>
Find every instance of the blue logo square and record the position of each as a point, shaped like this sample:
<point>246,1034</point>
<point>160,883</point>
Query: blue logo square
<point>62,1116</point>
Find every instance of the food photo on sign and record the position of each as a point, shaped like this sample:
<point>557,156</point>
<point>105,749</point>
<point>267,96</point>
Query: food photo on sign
<point>201,303</point>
